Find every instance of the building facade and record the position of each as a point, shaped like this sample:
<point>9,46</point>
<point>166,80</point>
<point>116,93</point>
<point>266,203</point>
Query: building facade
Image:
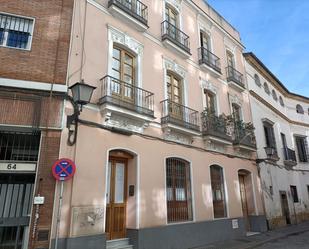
<point>34,47</point>
<point>281,121</point>
<point>165,151</point>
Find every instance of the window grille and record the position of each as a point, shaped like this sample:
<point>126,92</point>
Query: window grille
<point>19,146</point>
<point>218,191</point>
<point>15,31</point>
<point>178,190</point>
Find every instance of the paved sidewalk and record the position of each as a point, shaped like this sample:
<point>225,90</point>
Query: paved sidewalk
<point>259,239</point>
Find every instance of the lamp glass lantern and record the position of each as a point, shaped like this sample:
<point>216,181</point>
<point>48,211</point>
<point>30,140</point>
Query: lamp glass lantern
<point>270,151</point>
<point>81,93</point>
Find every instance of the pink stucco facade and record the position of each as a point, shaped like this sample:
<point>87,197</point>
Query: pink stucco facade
<point>96,29</point>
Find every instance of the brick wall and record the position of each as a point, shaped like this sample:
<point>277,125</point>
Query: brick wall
<point>51,34</point>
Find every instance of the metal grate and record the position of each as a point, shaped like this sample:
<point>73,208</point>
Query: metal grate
<point>179,204</point>
<point>43,235</point>
<point>19,146</point>
<point>15,31</point>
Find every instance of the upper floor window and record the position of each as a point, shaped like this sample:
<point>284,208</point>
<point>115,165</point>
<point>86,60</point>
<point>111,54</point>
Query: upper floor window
<point>294,193</point>
<point>218,191</point>
<point>257,80</point>
<point>302,148</point>
<point>236,111</point>
<point>299,109</point>
<point>274,94</point>
<point>210,101</point>
<point>171,15</point>
<point>15,32</point>
<point>178,190</point>
<point>230,59</point>
<point>174,88</point>
<point>266,88</point>
<point>205,40</point>
<point>269,135</point>
<point>281,101</point>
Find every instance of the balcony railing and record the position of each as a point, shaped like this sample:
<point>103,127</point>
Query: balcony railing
<point>233,75</point>
<point>119,93</point>
<point>215,126</point>
<point>289,155</point>
<point>172,33</point>
<point>244,134</point>
<point>179,115</point>
<point>134,8</point>
<point>208,58</point>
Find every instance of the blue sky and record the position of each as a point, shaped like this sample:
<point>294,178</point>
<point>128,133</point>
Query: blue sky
<point>277,31</point>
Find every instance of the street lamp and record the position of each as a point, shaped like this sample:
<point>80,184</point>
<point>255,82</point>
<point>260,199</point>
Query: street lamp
<point>270,152</point>
<point>81,95</point>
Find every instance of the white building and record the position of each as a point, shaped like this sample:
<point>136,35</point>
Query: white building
<point>281,121</point>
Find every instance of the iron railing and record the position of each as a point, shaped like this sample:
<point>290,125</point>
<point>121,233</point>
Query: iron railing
<point>208,58</point>
<point>122,94</point>
<point>233,75</point>
<point>180,115</point>
<point>17,146</point>
<point>134,8</point>
<point>214,125</point>
<point>244,134</point>
<point>289,155</point>
<point>172,33</point>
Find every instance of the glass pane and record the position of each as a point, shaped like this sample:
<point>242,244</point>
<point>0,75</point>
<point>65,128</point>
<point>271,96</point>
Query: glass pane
<point>109,173</point>
<point>176,91</point>
<point>168,79</point>
<point>127,79</point>
<point>119,183</point>
<point>116,64</point>
<point>128,70</point>
<point>116,53</point>
<point>115,74</point>
<point>128,59</point>
<point>17,39</point>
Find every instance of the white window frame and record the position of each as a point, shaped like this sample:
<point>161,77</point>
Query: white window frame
<point>5,38</point>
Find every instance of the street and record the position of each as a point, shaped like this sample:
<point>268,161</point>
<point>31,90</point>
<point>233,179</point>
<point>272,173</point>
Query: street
<point>296,241</point>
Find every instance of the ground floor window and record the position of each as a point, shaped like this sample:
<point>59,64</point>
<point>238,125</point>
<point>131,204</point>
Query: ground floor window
<point>178,190</point>
<point>218,191</point>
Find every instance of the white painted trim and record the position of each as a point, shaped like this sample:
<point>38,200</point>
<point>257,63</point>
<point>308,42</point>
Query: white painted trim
<point>254,193</point>
<point>34,85</point>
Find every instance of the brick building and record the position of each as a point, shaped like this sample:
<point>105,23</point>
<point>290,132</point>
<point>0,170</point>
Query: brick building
<point>34,48</point>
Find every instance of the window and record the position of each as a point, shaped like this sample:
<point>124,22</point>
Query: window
<point>299,109</point>
<point>210,101</point>
<point>266,88</point>
<point>230,59</point>
<point>294,193</point>
<point>15,31</point>
<point>218,191</point>
<point>302,149</point>
<point>257,80</point>
<point>274,94</point>
<point>281,101</point>
<point>174,88</point>
<point>271,190</point>
<point>269,135</point>
<point>205,40</point>
<point>178,190</point>
<point>236,111</point>
<point>171,15</point>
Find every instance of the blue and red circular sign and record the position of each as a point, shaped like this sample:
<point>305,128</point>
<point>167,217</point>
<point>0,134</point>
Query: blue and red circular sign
<point>63,169</point>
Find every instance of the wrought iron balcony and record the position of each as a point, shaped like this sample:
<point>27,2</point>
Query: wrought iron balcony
<point>134,8</point>
<point>171,33</point>
<point>179,115</point>
<point>233,75</point>
<point>217,126</point>
<point>208,58</point>
<point>289,157</point>
<point>244,135</point>
<point>121,94</point>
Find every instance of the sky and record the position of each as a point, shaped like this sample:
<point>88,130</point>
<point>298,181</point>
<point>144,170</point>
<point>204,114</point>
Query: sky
<point>277,32</point>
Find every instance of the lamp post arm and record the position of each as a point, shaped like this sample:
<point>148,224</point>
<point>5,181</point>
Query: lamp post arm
<point>72,120</point>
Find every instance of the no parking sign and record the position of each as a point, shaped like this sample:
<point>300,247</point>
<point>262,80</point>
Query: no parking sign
<point>63,169</point>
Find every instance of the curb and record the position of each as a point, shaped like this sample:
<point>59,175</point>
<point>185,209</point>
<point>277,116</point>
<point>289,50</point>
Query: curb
<point>259,243</point>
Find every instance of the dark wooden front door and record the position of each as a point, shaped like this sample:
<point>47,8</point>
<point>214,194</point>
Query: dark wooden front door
<point>285,207</point>
<point>116,198</point>
<point>244,203</point>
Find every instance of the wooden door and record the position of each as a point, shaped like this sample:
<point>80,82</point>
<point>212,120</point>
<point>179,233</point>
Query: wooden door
<point>116,198</point>
<point>123,75</point>
<point>285,207</point>
<point>244,203</point>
